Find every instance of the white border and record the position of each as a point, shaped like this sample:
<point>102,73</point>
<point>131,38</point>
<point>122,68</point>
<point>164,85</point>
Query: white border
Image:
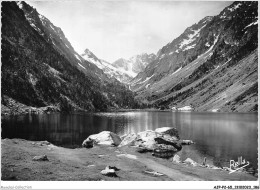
<point>132,184</point>
<point>125,184</point>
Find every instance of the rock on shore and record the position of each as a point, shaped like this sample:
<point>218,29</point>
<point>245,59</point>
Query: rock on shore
<point>104,138</point>
<point>163,142</point>
<point>82,164</point>
<point>40,158</point>
<point>128,140</point>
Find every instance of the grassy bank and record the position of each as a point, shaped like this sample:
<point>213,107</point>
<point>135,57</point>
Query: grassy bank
<point>86,164</point>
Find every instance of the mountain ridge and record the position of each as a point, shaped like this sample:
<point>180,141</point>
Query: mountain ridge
<point>122,69</point>
<point>211,66</point>
<point>111,71</point>
<point>134,64</point>
<point>39,70</point>
<point>213,43</point>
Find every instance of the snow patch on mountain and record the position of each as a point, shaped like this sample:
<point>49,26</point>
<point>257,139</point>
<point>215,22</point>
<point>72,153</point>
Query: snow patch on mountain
<point>176,71</point>
<point>111,71</point>
<point>227,61</point>
<point>251,24</point>
<point>206,19</point>
<point>78,58</point>
<point>147,78</point>
<point>52,70</point>
<point>189,47</point>
<point>191,37</point>
<point>135,64</point>
<point>128,72</point>
<point>215,41</point>
<point>161,56</point>
<point>235,7</point>
<point>33,80</point>
<point>81,66</point>
<point>92,60</point>
<point>146,86</point>
<point>35,27</point>
<point>20,5</point>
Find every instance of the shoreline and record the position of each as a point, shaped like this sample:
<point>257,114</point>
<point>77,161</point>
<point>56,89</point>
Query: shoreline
<point>53,109</point>
<point>13,107</point>
<point>83,164</point>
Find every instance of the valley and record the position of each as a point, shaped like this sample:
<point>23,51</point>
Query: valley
<point>212,66</point>
<point>94,105</point>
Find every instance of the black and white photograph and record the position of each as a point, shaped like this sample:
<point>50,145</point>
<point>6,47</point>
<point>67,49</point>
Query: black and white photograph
<point>149,94</point>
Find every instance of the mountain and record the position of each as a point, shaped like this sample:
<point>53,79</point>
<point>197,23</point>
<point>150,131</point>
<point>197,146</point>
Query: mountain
<point>135,64</point>
<point>211,66</point>
<point>41,68</point>
<point>139,62</point>
<point>111,71</point>
<point>55,36</point>
<point>119,74</point>
<point>123,70</point>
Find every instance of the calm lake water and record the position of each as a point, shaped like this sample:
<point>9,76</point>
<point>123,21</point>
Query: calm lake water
<point>220,137</point>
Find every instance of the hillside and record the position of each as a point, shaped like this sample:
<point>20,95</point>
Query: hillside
<point>41,68</point>
<point>212,66</point>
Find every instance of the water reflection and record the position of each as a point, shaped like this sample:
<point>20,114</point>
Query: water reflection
<point>219,137</point>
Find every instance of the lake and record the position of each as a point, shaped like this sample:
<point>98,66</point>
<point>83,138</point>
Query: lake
<point>220,137</point>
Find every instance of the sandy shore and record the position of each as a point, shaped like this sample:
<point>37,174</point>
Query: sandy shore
<point>86,164</point>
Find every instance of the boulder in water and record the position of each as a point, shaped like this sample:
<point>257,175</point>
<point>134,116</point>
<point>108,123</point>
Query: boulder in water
<point>169,141</point>
<point>187,142</point>
<point>164,151</point>
<point>168,131</point>
<point>159,139</point>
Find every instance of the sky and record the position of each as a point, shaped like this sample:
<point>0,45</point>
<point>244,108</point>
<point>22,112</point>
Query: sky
<point>121,29</point>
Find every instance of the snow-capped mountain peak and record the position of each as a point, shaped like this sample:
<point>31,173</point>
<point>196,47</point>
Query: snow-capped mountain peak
<point>135,64</point>
<point>90,57</point>
<point>122,69</point>
<point>112,72</point>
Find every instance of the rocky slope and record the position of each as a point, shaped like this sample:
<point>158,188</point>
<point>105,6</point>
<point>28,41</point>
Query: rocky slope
<point>41,68</point>
<point>212,66</point>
